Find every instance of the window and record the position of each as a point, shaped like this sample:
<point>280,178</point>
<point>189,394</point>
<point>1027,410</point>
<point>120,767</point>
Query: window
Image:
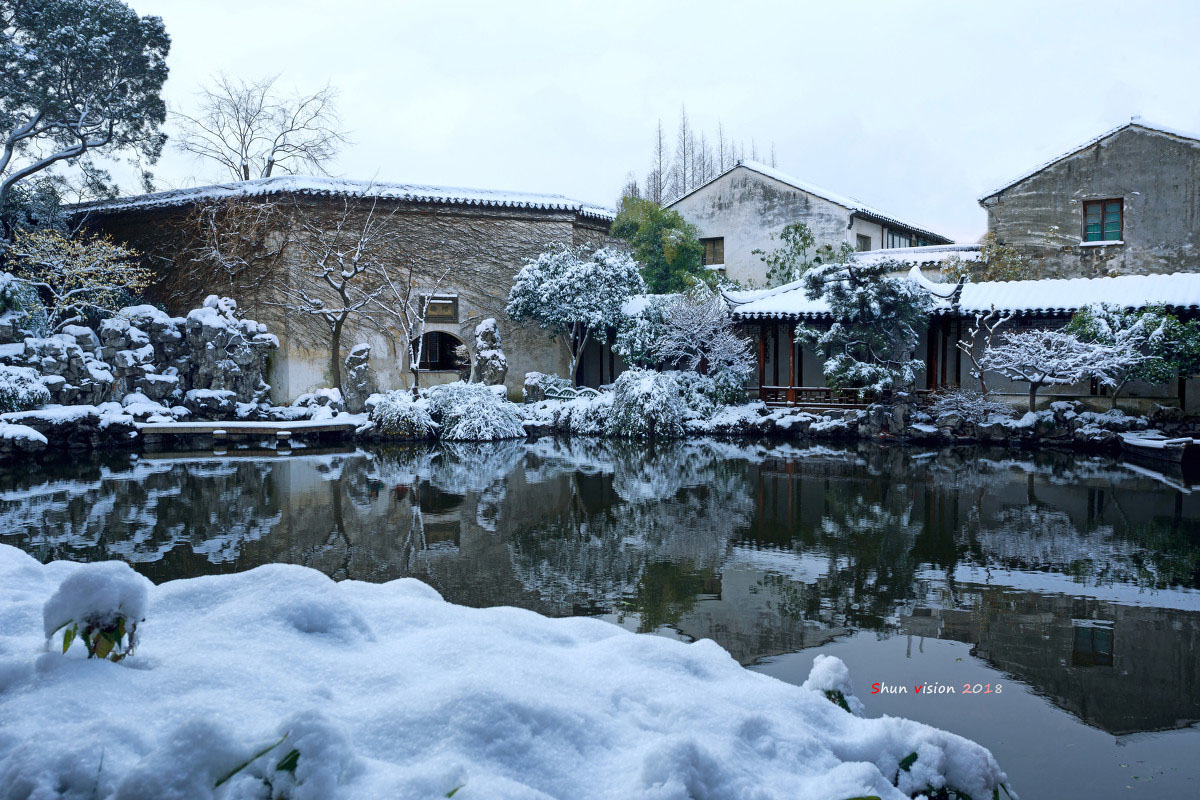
<point>897,239</point>
<point>1103,220</point>
<point>864,243</point>
<point>1093,645</point>
<point>442,307</point>
<point>438,352</point>
<point>714,251</point>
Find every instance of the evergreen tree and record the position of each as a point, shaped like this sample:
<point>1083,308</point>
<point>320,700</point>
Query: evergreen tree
<point>76,77</point>
<point>666,247</point>
<point>877,320</point>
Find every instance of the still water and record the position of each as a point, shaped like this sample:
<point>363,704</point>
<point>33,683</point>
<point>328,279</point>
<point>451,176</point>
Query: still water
<point>1062,590</point>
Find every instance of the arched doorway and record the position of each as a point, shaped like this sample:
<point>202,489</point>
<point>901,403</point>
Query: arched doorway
<point>439,353</point>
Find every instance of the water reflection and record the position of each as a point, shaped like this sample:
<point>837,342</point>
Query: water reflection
<point>1074,575</point>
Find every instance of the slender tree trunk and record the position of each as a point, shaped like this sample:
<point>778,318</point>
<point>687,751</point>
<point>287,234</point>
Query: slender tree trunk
<point>335,355</point>
<point>1033,387</point>
<point>1116,391</point>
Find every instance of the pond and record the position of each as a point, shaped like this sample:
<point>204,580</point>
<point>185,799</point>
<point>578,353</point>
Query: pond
<point>1061,591</point>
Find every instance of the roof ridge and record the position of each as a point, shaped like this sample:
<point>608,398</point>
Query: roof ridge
<point>844,200</point>
<point>324,185</point>
<point>1134,122</point>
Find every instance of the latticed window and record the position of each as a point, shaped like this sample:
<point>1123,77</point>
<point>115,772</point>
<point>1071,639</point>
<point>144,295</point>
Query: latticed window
<point>714,251</point>
<point>1102,220</point>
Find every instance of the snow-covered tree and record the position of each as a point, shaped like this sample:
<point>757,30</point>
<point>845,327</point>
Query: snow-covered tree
<point>406,289</point>
<point>575,294</point>
<point>1056,358</point>
<point>77,77</point>
<point>1168,346</point>
<point>877,321</point>
<point>983,332</point>
<point>337,255</point>
<point>253,131</point>
<point>696,333</point>
<point>77,278</point>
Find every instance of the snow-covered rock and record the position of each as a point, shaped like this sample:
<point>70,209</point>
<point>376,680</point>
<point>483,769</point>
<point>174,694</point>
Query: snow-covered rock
<point>360,380</point>
<point>491,365</point>
<point>77,427</point>
<point>386,690</point>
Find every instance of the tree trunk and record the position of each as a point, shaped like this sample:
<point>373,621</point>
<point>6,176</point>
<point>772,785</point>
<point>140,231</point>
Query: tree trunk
<point>1116,391</point>
<point>335,360</point>
<point>1033,387</point>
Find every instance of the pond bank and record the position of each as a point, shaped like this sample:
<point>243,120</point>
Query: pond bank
<point>51,431</point>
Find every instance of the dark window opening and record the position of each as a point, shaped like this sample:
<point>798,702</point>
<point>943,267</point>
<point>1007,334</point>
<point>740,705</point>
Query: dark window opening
<point>864,243</point>
<point>1103,220</point>
<point>1093,647</point>
<point>897,239</point>
<point>438,352</point>
<point>714,251</point>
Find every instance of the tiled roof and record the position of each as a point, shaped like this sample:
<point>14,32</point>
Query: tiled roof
<point>1179,290</point>
<point>842,200</point>
<point>295,184</point>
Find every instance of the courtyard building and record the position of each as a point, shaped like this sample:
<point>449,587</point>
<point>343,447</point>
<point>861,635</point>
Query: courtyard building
<point>460,248</point>
<point>1124,203</point>
<point>740,210</point>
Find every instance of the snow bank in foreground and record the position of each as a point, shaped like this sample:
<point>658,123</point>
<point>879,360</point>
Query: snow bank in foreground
<point>388,691</point>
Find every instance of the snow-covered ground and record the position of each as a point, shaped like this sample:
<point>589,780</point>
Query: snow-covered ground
<point>385,690</point>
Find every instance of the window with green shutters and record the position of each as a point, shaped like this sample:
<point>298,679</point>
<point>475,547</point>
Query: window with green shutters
<point>1102,220</point>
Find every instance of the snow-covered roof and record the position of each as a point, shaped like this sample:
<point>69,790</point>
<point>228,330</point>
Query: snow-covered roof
<point>931,256</point>
<point>298,184</point>
<point>845,201</point>
<point>1179,290</point>
<point>1135,122</point>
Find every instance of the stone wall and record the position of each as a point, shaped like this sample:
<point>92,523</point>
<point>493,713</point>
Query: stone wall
<point>1157,175</point>
<point>479,249</point>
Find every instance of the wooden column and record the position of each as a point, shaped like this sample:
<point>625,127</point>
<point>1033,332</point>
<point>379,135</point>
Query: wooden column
<point>791,395</point>
<point>762,359</point>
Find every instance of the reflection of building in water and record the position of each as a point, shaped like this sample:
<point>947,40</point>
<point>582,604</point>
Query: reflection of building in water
<point>1118,667</point>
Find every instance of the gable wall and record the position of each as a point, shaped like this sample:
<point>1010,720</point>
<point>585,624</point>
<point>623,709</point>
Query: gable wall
<point>1157,175</point>
<point>746,208</point>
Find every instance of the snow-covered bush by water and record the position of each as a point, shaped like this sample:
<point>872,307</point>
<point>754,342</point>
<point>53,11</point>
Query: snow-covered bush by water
<point>473,412</point>
<point>386,690</point>
<point>970,405</point>
<point>101,605</point>
<point>397,415</point>
<point>21,389</point>
<point>647,404</point>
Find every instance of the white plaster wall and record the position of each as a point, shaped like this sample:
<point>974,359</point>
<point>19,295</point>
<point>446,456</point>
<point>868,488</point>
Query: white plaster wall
<point>746,208</point>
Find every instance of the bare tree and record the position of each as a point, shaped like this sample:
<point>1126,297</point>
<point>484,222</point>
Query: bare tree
<point>656,181</point>
<point>403,297</point>
<point>253,131</point>
<point>337,259</point>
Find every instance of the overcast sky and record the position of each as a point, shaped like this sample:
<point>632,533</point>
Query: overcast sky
<point>917,108</point>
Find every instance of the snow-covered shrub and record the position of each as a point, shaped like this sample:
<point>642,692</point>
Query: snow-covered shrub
<point>647,404</point>
<point>969,405</point>
<point>699,393</point>
<point>101,604</point>
<point>21,310</point>
<point>21,389</point>
<point>397,415</point>
<point>473,412</point>
<point>831,677</point>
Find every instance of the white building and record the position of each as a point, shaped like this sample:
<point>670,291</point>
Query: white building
<point>738,211</point>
